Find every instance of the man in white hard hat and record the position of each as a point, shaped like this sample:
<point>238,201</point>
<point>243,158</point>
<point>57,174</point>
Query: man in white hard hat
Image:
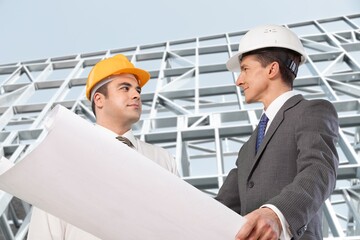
<point>287,168</point>
<point>113,87</point>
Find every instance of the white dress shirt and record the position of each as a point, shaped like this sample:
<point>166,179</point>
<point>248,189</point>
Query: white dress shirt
<point>271,112</point>
<point>44,226</point>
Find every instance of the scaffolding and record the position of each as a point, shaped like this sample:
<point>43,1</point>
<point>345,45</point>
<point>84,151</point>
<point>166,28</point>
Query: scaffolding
<point>192,108</point>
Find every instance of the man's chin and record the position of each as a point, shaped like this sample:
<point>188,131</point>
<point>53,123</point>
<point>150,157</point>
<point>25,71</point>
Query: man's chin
<point>135,119</point>
<point>248,100</point>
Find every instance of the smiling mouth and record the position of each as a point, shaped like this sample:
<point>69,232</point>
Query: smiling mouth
<point>133,105</point>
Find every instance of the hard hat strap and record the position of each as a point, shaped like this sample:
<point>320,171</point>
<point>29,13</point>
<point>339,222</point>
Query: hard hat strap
<point>292,66</point>
<point>289,63</point>
<point>99,85</point>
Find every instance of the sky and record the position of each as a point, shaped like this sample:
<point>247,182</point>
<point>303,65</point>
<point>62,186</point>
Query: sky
<point>38,29</point>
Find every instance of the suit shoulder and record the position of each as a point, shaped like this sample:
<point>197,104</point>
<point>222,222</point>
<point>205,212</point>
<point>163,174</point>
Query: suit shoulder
<point>319,111</point>
<point>318,105</point>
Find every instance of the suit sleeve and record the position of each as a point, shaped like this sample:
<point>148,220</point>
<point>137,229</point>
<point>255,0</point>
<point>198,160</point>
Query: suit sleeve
<point>316,134</point>
<point>229,192</point>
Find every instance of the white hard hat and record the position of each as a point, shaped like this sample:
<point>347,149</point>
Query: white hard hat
<point>265,37</point>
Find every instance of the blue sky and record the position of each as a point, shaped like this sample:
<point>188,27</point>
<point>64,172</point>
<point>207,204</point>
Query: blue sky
<point>37,29</point>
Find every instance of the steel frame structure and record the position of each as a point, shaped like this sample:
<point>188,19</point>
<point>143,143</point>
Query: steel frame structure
<point>192,108</point>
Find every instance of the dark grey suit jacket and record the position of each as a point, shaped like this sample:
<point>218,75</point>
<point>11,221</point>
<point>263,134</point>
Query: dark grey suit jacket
<point>294,169</point>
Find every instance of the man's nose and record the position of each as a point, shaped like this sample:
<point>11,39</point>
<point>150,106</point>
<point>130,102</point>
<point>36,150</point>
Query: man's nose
<point>135,94</point>
<point>239,81</point>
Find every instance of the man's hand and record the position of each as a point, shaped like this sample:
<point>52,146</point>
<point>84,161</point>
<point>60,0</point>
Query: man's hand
<point>262,223</point>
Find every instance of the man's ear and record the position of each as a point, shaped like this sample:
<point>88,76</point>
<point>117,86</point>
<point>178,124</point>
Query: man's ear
<point>98,99</point>
<point>273,69</point>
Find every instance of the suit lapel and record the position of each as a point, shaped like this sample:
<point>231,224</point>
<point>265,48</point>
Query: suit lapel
<point>279,117</point>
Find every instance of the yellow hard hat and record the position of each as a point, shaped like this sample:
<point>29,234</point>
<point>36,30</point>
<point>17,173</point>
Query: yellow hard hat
<point>117,64</point>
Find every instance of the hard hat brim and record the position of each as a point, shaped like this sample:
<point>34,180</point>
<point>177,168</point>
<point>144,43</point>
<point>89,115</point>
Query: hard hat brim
<point>233,64</point>
<point>141,75</point>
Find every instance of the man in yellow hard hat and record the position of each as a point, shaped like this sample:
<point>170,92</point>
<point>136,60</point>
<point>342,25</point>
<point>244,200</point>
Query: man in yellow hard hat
<point>287,168</point>
<point>113,87</point>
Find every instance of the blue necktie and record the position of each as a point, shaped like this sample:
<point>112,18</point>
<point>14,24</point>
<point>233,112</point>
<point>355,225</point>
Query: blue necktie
<point>261,131</point>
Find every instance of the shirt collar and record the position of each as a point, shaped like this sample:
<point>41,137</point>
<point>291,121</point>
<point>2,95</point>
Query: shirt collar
<point>275,106</point>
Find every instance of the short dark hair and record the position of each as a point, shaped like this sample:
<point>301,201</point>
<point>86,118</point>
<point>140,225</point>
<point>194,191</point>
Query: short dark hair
<point>281,55</point>
<point>104,91</point>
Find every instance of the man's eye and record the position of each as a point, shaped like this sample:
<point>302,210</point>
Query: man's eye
<point>125,88</point>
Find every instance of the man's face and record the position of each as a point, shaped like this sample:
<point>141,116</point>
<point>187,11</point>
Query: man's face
<point>123,102</point>
<point>253,79</point>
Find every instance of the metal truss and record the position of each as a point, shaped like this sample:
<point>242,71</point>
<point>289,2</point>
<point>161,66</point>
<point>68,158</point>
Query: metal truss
<point>193,109</point>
